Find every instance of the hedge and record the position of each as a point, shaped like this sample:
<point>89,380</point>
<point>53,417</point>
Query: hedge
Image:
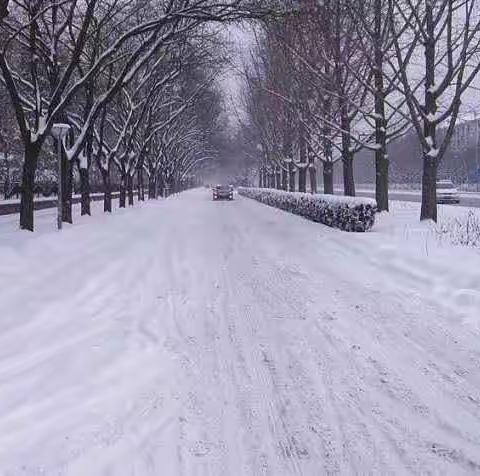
<point>345,213</point>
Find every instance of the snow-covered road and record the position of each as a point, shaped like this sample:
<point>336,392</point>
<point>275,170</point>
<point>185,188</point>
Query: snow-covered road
<point>188,337</point>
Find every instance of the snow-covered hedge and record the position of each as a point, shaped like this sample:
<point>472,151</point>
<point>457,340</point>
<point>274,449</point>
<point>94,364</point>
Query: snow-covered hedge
<point>345,213</point>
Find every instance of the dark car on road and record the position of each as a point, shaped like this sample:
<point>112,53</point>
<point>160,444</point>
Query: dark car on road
<point>223,192</point>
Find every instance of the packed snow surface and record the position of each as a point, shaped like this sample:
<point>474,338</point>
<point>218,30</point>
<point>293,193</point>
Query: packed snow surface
<point>192,337</point>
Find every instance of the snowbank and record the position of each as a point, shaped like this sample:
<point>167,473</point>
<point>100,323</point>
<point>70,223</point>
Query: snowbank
<point>345,213</point>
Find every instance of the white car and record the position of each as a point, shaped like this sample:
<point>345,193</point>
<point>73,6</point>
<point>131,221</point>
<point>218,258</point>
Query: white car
<point>446,192</point>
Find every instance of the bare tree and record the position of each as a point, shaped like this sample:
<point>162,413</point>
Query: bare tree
<point>436,46</point>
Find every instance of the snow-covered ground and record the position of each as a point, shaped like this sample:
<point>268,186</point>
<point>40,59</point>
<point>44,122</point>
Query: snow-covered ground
<point>191,337</point>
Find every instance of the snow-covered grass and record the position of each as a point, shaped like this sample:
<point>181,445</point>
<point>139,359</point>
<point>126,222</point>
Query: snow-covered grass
<point>344,213</point>
<point>187,336</point>
<point>456,226</point>
<point>461,230</point>
<point>46,223</point>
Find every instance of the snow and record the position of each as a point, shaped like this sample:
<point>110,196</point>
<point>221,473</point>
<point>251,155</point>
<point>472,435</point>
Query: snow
<point>83,160</point>
<point>42,127</point>
<point>191,337</point>
<point>10,201</point>
<point>332,200</point>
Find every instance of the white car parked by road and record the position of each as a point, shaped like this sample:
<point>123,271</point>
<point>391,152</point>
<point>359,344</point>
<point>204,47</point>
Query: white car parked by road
<point>447,192</point>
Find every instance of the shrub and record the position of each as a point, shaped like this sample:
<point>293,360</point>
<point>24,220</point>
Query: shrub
<point>345,213</point>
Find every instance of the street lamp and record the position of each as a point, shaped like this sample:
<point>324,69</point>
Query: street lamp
<point>59,132</point>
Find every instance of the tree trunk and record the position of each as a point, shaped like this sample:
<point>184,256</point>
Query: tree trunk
<point>85,191</point>
<point>344,109</point>
<point>141,190</point>
<point>6,186</point>
<point>430,156</point>
<point>327,163</point>
<point>163,190</point>
<point>302,179</point>
<point>347,155</point>
<point>291,177</point>
<point>6,183</point>
<point>381,180</point>
<point>312,170</point>
<point>429,189</point>
<point>130,190</point>
<point>284,179</point>
<point>161,187</point>
<point>278,178</point>
<point>265,177</point>
<point>271,178</point>
<point>328,178</point>
<point>381,158</point>
<point>312,173</point>
<point>151,186</point>
<point>31,153</point>
<point>123,190</point>
<point>302,172</point>
<point>348,179</point>
<point>107,191</point>
<point>260,177</point>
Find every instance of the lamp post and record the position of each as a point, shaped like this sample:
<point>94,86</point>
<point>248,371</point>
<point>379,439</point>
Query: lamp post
<point>59,132</point>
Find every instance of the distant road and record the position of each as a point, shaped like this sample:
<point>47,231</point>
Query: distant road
<point>466,199</point>
<point>12,207</point>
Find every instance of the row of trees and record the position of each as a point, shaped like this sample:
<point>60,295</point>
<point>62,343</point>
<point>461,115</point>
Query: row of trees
<point>335,77</point>
<point>133,79</point>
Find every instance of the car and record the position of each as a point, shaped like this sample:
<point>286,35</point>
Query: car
<point>223,192</point>
<point>447,192</point>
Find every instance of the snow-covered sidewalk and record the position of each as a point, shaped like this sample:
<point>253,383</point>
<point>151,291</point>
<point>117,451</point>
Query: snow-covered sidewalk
<point>191,337</point>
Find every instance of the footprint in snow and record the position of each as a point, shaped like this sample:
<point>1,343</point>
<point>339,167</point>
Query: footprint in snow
<point>200,448</point>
